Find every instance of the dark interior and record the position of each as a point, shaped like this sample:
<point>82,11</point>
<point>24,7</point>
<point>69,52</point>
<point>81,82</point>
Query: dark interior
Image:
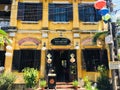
<point>93,58</point>
<point>2,58</point>
<point>5,1</point>
<point>61,64</point>
<point>26,58</point>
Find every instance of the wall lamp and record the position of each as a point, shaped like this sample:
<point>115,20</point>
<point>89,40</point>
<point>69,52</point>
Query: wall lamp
<point>77,45</point>
<point>44,46</point>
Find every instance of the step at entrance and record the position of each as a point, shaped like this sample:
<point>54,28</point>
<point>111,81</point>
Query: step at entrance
<point>66,86</point>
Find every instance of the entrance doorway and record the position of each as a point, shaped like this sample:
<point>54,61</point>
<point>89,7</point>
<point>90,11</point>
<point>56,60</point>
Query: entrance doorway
<point>62,65</point>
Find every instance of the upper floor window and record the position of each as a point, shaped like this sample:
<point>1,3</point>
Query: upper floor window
<point>29,11</point>
<point>87,13</point>
<point>60,12</point>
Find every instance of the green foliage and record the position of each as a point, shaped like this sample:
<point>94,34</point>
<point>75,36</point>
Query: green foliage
<point>42,83</point>
<point>2,32</point>
<point>88,84</point>
<point>97,35</point>
<point>103,82</point>
<point>118,21</point>
<point>75,83</point>
<point>3,38</point>
<point>30,77</point>
<point>6,80</point>
<point>102,70</point>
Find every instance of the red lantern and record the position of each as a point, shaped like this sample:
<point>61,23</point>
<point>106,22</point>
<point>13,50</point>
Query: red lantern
<point>100,4</point>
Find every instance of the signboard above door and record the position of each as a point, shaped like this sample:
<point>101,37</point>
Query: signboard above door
<point>60,41</point>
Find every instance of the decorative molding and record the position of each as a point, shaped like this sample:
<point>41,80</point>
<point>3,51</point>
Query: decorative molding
<point>61,2</point>
<point>29,39</point>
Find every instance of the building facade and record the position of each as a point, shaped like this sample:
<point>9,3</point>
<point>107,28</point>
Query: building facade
<point>55,34</point>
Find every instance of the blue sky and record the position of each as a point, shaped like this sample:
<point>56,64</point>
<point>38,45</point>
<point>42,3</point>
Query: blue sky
<point>116,6</point>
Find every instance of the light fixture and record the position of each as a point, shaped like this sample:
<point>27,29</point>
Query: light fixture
<point>77,45</point>
<point>12,34</point>
<point>72,59</point>
<point>49,60</point>
<point>44,46</point>
<point>8,54</point>
<point>44,35</point>
<point>76,35</point>
<point>8,47</point>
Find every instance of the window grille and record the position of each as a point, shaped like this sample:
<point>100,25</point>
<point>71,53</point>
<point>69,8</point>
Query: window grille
<point>29,11</point>
<point>60,12</point>
<point>88,13</point>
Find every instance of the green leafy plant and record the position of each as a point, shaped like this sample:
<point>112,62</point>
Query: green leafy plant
<point>97,35</point>
<point>75,83</point>
<point>3,38</point>
<point>6,80</point>
<point>42,83</point>
<point>88,84</point>
<point>30,76</point>
<point>103,82</point>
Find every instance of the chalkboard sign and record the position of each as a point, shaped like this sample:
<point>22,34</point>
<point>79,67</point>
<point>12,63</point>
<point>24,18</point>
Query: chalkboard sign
<point>60,41</point>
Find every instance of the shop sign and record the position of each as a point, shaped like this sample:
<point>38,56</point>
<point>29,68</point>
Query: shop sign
<point>60,41</point>
<point>114,65</point>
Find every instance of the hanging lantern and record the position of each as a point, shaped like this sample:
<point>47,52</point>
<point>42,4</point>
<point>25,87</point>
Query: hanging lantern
<point>106,17</point>
<point>49,60</point>
<point>103,11</point>
<point>100,4</point>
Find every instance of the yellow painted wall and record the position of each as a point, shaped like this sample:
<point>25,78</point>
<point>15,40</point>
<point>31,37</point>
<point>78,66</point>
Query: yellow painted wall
<point>53,32</point>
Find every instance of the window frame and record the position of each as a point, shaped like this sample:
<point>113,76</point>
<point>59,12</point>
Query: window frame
<point>85,11</point>
<point>56,8</point>
<point>22,8</point>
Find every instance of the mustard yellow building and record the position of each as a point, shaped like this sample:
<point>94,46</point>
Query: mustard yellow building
<point>55,34</point>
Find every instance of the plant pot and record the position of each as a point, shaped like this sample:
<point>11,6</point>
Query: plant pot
<point>40,88</point>
<point>75,88</point>
<point>30,89</point>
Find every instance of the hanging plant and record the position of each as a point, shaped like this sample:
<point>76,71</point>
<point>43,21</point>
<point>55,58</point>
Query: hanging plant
<point>3,38</point>
<point>97,35</point>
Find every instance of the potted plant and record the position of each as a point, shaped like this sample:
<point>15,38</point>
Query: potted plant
<point>30,76</point>
<point>42,84</point>
<point>88,84</point>
<point>103,82</point>
<point>75,84</point>
<point>6,80</point>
